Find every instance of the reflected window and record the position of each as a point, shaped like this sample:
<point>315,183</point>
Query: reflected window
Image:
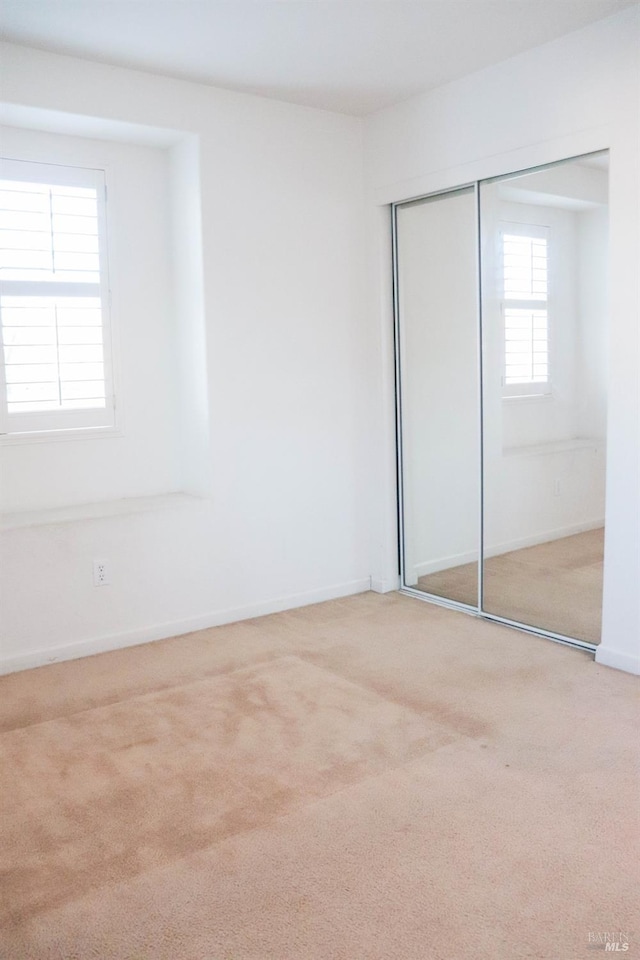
<point>524,283</point>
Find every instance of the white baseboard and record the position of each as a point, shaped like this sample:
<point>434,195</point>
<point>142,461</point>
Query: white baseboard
<point>160,631</point>
<point>385,586</point>
<point>618,660</point>
<point>457,560</point>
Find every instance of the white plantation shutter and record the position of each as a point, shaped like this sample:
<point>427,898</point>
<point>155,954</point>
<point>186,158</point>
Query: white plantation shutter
<point>526,348</point>
<point>525,290</point>
<point>55,356</point>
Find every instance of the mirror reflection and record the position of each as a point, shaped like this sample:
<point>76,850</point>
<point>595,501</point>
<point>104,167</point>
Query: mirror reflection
<point>544,297</point>
<point>539,479</point>
<point>437,311</point>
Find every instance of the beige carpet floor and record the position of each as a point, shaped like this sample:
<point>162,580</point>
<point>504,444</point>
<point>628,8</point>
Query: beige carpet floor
<point>555,586</point>
<point>373,778</point>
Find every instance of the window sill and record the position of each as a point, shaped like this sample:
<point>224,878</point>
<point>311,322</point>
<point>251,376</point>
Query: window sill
<point>72,433</point>
<point>527,397</point>
<point>99,511</point>
<point>555,446</point>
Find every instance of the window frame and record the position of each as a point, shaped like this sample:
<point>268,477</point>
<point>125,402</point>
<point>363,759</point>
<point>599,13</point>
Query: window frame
<point>529,390</point>
<point>80,422</point>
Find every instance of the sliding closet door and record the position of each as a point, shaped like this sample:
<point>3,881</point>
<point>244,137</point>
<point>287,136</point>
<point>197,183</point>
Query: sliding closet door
<point>544,306</point>
<point>436,309</point>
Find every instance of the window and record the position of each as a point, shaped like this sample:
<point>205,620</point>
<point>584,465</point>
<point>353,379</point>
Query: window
<point>55,363</point>
<point>525,310</point>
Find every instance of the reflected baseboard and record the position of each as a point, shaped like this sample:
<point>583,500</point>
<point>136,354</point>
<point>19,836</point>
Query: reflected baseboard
<point>471,556</point>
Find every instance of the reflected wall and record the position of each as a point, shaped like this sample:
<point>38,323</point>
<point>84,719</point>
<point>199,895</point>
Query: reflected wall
<point>437,333</point>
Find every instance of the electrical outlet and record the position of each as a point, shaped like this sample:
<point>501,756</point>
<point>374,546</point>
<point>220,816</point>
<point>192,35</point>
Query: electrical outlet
<point>101,573</point>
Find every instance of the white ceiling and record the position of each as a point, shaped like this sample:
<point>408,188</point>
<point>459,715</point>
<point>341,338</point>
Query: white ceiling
<point>352,56</point>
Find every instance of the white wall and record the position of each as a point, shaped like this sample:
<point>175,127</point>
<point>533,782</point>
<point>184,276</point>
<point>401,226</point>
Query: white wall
<point>275,337</point>
<point>189,316</point>
<point>575,95</point>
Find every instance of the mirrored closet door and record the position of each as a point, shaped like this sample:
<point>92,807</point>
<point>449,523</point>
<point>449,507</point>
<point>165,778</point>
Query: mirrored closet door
<point>436,293</point>
<point>502,488</point>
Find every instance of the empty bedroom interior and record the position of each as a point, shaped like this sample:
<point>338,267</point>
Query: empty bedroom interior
<point>262,692</point>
